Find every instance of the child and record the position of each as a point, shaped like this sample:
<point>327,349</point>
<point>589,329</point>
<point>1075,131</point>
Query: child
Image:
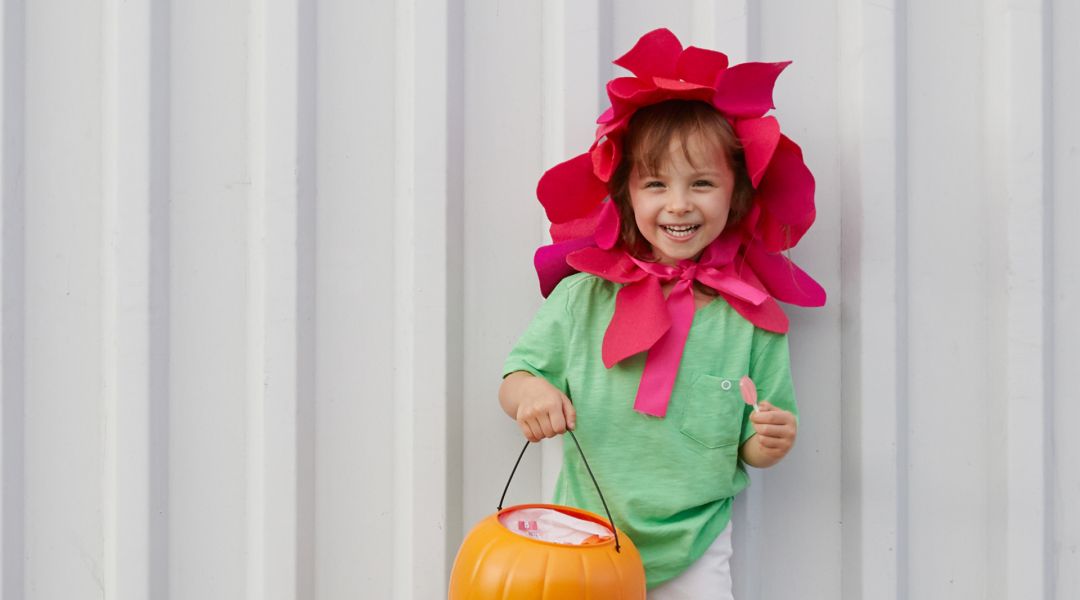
<point>641,352</point>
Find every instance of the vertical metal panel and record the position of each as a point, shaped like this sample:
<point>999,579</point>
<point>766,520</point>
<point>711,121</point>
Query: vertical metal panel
<point>503,225</point>
<point>949,328</point>
<point>354,300</point>
<point>872,502</point>
<point>134,300</point>
<point>12,300</point>
<point>280,436</point>
<point>1062,296</point>
<point>210,185</point>
<point>63,416</point>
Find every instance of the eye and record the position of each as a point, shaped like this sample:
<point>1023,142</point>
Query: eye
<point>704,183</point>
<point>654,184</point>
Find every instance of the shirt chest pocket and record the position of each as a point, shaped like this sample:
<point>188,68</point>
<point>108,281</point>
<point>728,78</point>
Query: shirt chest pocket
<point>713,412</point>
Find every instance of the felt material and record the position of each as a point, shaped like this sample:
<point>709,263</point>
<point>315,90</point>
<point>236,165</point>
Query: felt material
<point>645,320</point>
<point>755,273</point>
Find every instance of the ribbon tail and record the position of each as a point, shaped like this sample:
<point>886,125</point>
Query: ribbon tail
<point>639,320</point>
<point>662,362</point>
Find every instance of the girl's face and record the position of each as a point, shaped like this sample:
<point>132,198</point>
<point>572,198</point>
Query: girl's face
<point>684,207</point>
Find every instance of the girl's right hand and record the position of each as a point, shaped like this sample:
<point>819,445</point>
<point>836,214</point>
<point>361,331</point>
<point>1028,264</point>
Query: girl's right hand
<point>540,409</point>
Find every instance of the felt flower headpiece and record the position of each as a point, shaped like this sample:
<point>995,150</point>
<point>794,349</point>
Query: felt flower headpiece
<point>585,227</point>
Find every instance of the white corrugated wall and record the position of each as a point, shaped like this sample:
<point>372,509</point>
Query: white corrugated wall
<point>261,262</point>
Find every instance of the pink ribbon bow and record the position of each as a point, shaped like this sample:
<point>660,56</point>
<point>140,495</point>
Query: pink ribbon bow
<point>644,320</point>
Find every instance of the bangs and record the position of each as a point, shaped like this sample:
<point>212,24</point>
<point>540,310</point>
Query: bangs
<point>654,128</point>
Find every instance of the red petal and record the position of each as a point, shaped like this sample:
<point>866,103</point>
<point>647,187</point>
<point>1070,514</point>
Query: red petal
<point>768,315</point>
<point>569,190</point>
<point>783,280</point>
<point>576,228</point>
<point>551,265</point>
<point>605,157</point>
<point>624,88</point>
<point>641,317</point>
<point>777,236</point>
<point>787,189</point>
<point>746,90</point>
<point>655,54</point>
<point>612,265</point>
<point>701,66</point>
<point>606,116</point>
<point>602,223</point>
<point>607,229</point>
<point>759,138</point>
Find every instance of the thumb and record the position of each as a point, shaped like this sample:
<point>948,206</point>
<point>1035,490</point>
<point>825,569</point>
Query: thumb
<point>569,413</point>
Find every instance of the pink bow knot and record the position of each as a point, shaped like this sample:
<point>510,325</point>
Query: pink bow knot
<point>665,354</point>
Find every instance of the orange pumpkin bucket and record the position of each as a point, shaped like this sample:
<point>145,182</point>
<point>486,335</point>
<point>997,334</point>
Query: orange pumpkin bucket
<point>497,563</point>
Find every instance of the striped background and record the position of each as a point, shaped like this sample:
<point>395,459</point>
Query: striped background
<point>261,262</point>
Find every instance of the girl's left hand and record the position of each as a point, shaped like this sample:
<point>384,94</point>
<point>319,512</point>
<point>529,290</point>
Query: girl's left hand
<point>776,430</point>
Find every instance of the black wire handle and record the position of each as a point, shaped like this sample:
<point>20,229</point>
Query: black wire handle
<point>587,468</point>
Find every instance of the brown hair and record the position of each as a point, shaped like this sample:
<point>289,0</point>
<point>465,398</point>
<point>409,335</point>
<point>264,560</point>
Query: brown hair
<point>647,145</point>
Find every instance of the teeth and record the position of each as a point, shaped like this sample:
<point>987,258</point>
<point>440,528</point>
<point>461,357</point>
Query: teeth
<point>680,230</point>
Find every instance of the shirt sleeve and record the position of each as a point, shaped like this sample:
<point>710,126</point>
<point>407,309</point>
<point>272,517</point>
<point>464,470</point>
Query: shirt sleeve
<point>542,349</point>
<point>770,368</point>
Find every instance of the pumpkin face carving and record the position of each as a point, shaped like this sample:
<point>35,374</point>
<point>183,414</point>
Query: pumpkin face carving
<point>495,563</point>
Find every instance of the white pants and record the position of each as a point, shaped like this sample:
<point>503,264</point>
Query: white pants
<point>709,578</point>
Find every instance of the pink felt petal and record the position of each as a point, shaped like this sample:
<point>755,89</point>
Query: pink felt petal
<point>654,55</point>
<point>745,91</point>
<point>722,250</point>
<point>605,158</point>
<point>607,229</point>
<point>550,262</point>
<point>701,66</point>
<point>569,190</point>
<point>768,315</point>
<point>674,85</point>
<point>759,138</point>
<point>784,281</point>
<point>777,236</point>
<point>787,189</point>
<point>606,116</point>
<point>576,228</point>
<point>624,88</point>
<point>613,265</point>
<point>640,319</point>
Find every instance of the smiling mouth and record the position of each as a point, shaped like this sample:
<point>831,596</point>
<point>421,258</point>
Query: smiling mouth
<point>680,231</point>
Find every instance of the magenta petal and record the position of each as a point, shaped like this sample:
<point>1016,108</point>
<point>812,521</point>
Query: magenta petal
<point>606,116</point>
<point>605,157</point>
<point>569,190</point>
<point>641,317</point>
<point>613,265</point>
<point>746,90</point>
<point>655,54</point>
<point>701,66</point>
<point>768,315</point>
<point>759,138</point>
<point>787,189</point>
<point>607,229</point>
<point>551,265</point>
<point>783,279</point>
<point>777,236</point>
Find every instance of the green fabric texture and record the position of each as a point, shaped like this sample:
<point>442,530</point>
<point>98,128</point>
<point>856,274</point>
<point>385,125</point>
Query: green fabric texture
<point>669,482</point>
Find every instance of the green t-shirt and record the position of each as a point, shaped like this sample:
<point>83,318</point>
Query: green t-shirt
<point>669,482</point>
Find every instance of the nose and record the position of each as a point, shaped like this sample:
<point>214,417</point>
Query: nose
<point>678,202</point>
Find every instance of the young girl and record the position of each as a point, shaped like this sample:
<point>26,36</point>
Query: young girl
<point>675,222</point>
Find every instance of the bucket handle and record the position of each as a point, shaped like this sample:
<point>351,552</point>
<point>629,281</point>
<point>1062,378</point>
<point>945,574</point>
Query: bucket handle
<point>589,469</point>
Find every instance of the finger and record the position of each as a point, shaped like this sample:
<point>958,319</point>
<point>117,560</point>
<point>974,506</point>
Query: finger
<point>527,431</point>
<point>558,423</point>
<point>774,416</point>
<point>545,426</point>
<point>570,413</point>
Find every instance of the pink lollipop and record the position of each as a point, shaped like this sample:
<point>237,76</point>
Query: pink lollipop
<point>749,391</point>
